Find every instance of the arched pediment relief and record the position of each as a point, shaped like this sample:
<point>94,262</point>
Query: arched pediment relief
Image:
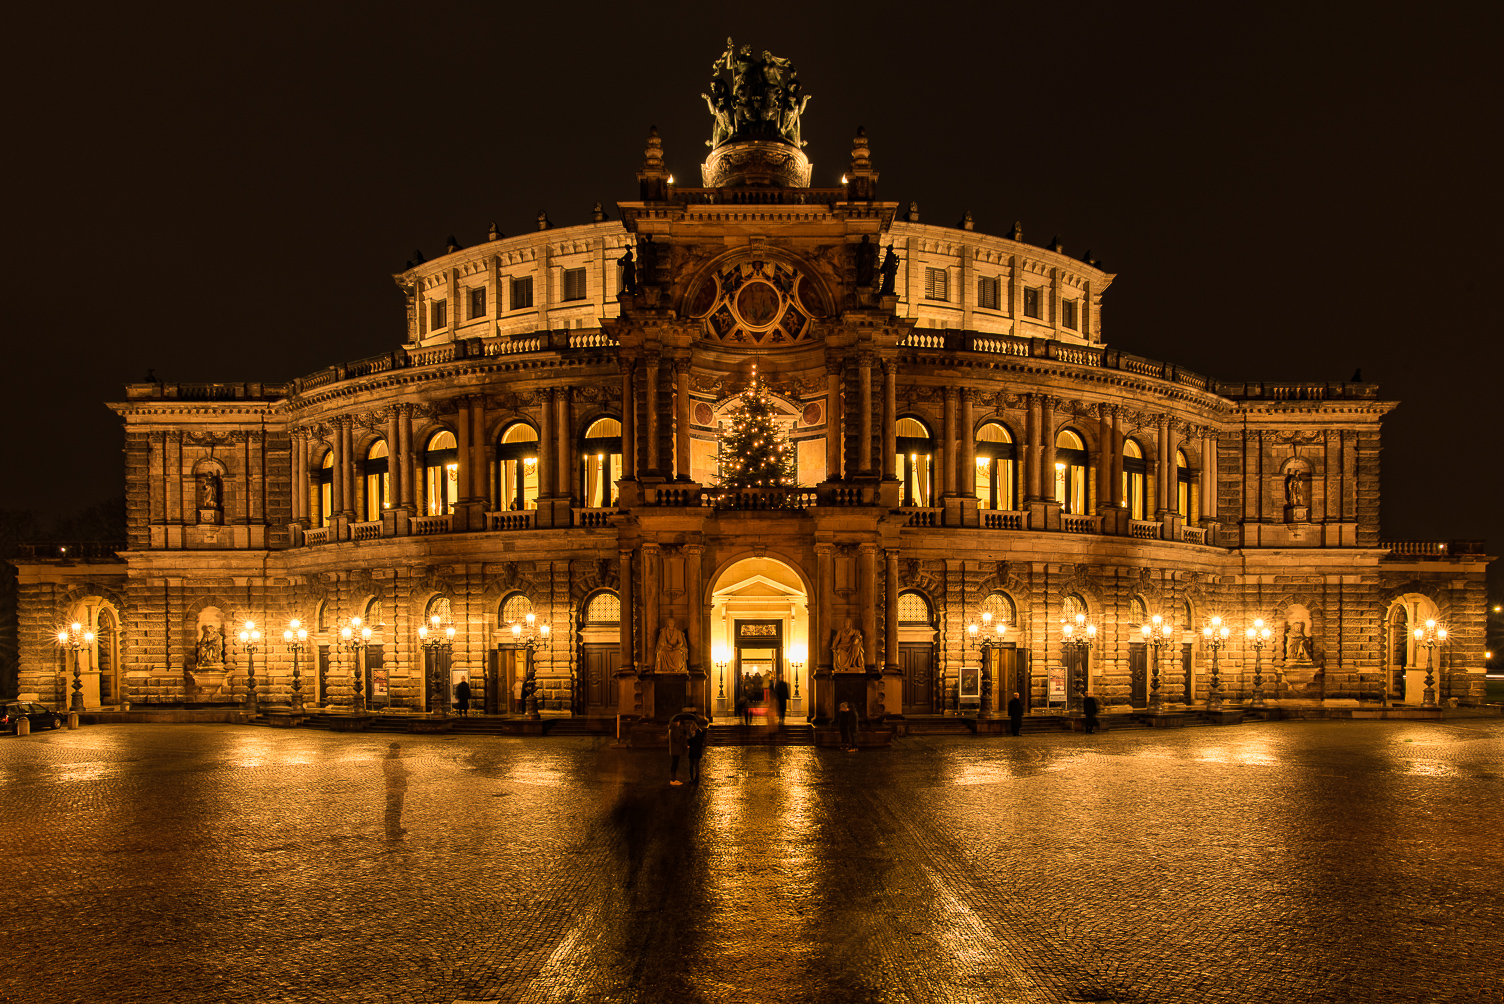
<point>758,299</point>
<point>592,575</point>
<point>511,577</point>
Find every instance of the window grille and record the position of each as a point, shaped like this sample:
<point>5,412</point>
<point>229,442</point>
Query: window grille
<point>913,609</point>
<point>1031,302</point>
<point>935,284</point>
<point>438,316</point>
<point>1000,607</point>
<point>988,292</point>
<point>1068,314</point>
<point>574,284</point>
<point>515,608</point>
<point>604,608</point>
<point>522,293</point>
<point>477,302</point>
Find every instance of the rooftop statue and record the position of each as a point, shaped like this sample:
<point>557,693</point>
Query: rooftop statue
<point>763,99</point>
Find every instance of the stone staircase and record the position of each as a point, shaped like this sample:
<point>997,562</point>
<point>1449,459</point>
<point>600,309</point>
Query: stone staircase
<point>760,735</point>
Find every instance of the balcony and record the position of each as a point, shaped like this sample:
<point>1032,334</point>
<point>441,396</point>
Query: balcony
<point>1434,549</point>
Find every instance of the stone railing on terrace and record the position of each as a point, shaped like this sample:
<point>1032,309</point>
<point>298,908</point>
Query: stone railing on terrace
<point>1004,519</point>
<point>318,535</point>
<point>1193,534</point>
<point>923,515</point>
<point>208,391</point>
<point>365,531</point>
<point>1434,548</point>
<point>757,196</point>
<point>594,516</point>
<point>1144,529</point>
<point>1072,523</point>
<point>518,519</point>
<point>759,498</point>
<point>86,550</point>
<point>423,526</point>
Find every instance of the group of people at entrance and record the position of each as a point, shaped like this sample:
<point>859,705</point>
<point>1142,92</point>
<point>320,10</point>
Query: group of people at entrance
<point>770,695</point>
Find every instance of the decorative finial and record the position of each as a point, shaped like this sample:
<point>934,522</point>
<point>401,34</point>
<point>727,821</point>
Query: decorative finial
<point>451,245</point>
<point>1055,245</point>
<point>860,180</point>
<point>652,179</point>
<point>967,223</point>
<point>493,234</point>
<point>418,258</point>
<point>1089,259</point>
<point>598,214</point>
<point>1017,233</point>
<point>913,214</point>
<point>1357,375</point>
<point>543,223</point>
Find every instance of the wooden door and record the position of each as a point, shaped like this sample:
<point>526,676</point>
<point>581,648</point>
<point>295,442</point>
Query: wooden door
<point>323,675</point>
<point>377,695</point>
<point>1075,672</point>
<point>1189,671</point>
<point>917,661</point>
<point>1138,674</point>
<point>598,662</point>
<point>1009,679</point>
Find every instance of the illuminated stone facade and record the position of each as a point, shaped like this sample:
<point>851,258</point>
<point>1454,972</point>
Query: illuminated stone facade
<point>545,439</point>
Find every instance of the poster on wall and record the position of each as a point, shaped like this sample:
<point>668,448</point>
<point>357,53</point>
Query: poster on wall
<point>971,683</point>
<point>1057,683</point>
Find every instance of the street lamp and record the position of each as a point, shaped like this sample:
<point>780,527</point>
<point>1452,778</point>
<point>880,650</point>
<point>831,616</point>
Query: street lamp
<point>797,657</point>
<point>721,662</point>
<point>250,640</point>
<point>1158,634</point>
<point>989,642</point>
<point>355,636</point>
<point>439,639</point>
<point>1214,636</point>
<point>295,637</point>
<point>1079,636</point>
<point>1430,636</point>
<point>76,638</point>
<point>531,635</point>
<point>1258,636</point>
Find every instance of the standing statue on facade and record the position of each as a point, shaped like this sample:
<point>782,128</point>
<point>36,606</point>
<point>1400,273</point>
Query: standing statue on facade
<point>208,492</point>
<point>1295,494</point>
<point>628,273</point>
<point>211,645</point>
<point>763,100</point>
<point>673,650</point>
<point>721,110</point>
<point>848,649</point>
<point>889,272</point>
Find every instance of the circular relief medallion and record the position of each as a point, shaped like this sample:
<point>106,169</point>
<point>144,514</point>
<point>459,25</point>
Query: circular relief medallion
<point>758,304</point>
<point>812,414</point>
<point>703,414</point>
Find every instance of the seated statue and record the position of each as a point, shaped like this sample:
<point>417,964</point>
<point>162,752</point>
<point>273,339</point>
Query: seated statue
<point>848,649</point>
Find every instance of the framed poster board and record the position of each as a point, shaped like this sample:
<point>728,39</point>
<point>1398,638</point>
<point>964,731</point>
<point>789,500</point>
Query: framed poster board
<point>971,683</point>
<point>1057,684</point>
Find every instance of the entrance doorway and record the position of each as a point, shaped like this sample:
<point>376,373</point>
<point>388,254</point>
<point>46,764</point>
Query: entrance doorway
<point>1138,674</point>
<point>759,631</point>
<point>917,662</point>
<point>758,666</point>
<point>600,656</point>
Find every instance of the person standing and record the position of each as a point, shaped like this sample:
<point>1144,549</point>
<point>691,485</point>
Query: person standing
<point>696,742</point>
<point>678,745</point>
<point>1090,707</point>
<point>1015,714</point>
<point>846,722</point>
<point>462,697</point>
<point>781,696</point>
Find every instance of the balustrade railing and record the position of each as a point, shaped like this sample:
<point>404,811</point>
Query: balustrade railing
<point>1003,519</point>
<point>849,495</point>
<point>1145,529</point>
<point>1193,534</point>
<point>759,498</point>
<point>423,526</point>
<point>511,346</point>
<point>1000,345</point>
<point>318,535</point>
<point>365,531</point>
<point>521,519</point>
<point>590,340</point>
<point>923,516</point>
<point>71,550</point>
<point>916,339</point>
<point>593,516</point>
<point>1079,524</point>
<point>665,496</point>
<point>1434,548</point>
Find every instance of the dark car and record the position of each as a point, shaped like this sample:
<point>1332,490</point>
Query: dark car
<point>11,713</point>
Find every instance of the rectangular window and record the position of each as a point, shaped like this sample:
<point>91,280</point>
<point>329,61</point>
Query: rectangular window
<point>522,293</point>
<point>1068,313</point>
<point>988,292</point>
<point>936,284</point>
<point>477,302</point>
<point>438,314</point>
<point>574,284</point>
<point>1031,302</point>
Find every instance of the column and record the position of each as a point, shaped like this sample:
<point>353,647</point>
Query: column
<point>694,630</point>
<point>1209,477</point>
<point>338,481</point>
<point>1030,458</point>
<point>1116,487</point>
<point>1104,460</point>
<point>407,459</point>
<point>948,450</point>
<point>835,432</point>
<point>1166,466</point>
<point>652,361</point>
<point>890,420</point>
<point>546,445</point>
<point>628,423</point>
<point>864,448</point>
<point>649,603</point>
<point>627,659</point>
<point>890,611</point>
<point>867,589</point>
<point>564,453</point>
<point>681,420</point>
<point>478,465</point>
<point>393,457</point>
<point>462,430</point>
<point>966,475</point>
<point>1047,447</point>
<point>825,599</point>
<point>347,465</point>
<point>300,484</point>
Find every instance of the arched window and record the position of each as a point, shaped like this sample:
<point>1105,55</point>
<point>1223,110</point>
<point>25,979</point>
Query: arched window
<point>441,473</point>
<point>1071,606</point>
<point>913,608</point>
<point>604,608</point>
<point>1138,611</point>
<point>914,460</point>
<point>517,468</point>
<point>602,462</point>
<point>1070,473</point>
<point>994,474</point>
<point>515,608</point>
<point>326,489</point>
<point>438,607</point>
<point>104,641</point>
<point>1187,616</point>
<point>321,617</point>
<point>1134,470</point>
<point>1182,485</point>
<point>374,618</point>
<point>378,481</point>
<point>1000,606</point>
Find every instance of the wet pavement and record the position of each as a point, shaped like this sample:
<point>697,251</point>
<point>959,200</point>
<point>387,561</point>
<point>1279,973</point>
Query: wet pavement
<point>1291,861</point>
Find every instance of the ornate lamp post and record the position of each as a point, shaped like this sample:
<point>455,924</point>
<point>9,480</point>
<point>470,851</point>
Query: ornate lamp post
<point>721,662</point>
<point>295,637</point>
<point>1258,636</point>
<point>1430,636</point>
<point>1214,636</point>
<point>1079,636</point>
<point>438,640</point>
<point>796,663</point>
<point>1159,634</point>
<point>355,636</point>
<point>250,640</point>
<point>76,638</point>
<point>989,643</point>
<point>532,636</point>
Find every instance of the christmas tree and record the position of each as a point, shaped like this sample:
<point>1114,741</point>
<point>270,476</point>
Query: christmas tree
<point>754,454</point>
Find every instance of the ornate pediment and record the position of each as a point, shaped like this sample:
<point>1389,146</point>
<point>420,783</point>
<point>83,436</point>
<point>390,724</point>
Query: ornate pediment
<point>757,302</point>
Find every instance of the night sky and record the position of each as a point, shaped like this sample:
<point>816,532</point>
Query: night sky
<point>1285,193</point>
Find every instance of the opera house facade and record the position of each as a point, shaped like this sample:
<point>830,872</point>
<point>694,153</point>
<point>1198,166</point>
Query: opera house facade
<point>525,492</point>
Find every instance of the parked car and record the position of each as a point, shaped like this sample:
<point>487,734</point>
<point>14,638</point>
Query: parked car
<point>11,713</point>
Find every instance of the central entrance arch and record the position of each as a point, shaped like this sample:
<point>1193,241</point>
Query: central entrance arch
<point>759,634</point>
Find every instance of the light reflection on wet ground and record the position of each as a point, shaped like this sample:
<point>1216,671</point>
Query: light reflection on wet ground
<point>1279,862</point>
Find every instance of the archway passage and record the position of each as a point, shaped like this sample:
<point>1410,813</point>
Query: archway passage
<point>759,634</point>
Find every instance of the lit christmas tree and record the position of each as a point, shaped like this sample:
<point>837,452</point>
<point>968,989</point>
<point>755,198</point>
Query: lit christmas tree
<point>754,454</point>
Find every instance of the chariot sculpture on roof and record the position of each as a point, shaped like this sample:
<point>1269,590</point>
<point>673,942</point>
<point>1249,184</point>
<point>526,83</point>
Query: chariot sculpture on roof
<point>762,100</point>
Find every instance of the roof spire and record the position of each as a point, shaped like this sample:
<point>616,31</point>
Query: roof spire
<point>860,180</point>
<point>652,179</point>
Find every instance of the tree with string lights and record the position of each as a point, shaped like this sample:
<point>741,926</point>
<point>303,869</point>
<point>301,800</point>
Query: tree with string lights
<point>754,452</point>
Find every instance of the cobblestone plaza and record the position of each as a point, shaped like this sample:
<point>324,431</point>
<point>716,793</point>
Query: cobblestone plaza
<point>1313,861</point>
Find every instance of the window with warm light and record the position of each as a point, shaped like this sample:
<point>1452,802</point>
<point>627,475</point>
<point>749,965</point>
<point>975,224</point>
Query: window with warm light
<point>326,489</point>
<point>378,481</point>
<point>913,608</point>
<point>994,467</point>
<point>1070,473</point>
<point>1182,485</point>
<point>441,473</point>
<point>1134,472</point>
<point>601,453</point>
<point>915,453</point>
<point>517,468</point>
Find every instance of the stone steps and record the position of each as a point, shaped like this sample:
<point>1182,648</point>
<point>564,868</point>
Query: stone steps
<point>760,735</point>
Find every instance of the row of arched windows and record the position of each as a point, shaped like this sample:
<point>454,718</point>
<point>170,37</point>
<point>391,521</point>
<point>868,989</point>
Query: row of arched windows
<point>514,471</point>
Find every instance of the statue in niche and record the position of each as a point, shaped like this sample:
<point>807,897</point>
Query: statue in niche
<point>889,271</point>
<point>1295,493</point>
<point>1297,643</point>
<point>211,645</point>
<point>209,493</point>
<point>673,649</point>
<point>628,273</point>
<point>848,649</point>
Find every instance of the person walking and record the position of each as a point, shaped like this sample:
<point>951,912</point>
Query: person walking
<point>781,696</point>
<point>697,736</point>
<point>1015,714</point>
<point>1090,707</point>
<point>846,722</point>
<point>743,708</point>
<point>678,745</point>
<point>462,697</point>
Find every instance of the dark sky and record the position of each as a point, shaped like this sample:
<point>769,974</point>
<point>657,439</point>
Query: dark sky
<point>1285,192</point>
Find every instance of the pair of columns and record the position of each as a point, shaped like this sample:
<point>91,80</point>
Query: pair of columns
<point>401,465</point>
<point>825,622</point>
<point>650,371</point>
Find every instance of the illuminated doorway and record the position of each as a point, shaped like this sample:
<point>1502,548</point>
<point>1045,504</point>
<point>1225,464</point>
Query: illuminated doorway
<point>759,633</point>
